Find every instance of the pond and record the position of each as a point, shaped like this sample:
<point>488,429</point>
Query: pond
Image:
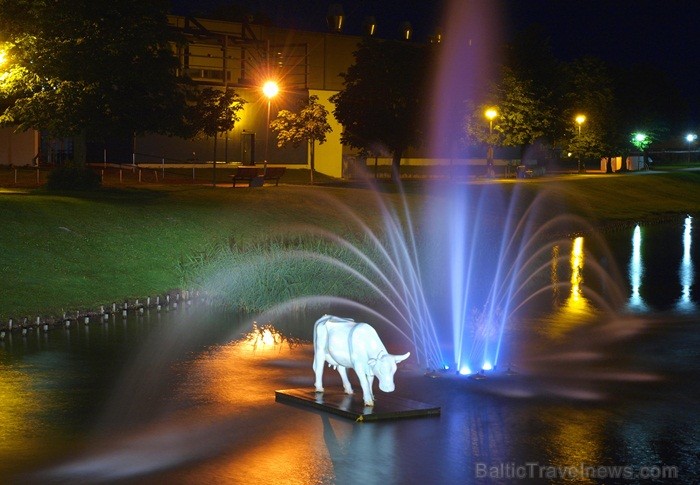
<point>187,395</point>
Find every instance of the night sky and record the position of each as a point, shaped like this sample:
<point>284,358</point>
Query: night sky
<point>622,32</point>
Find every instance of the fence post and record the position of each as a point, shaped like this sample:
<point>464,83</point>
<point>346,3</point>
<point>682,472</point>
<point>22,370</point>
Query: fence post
<point>15,176</point>
<point>139,175</point>
<point>193,177</point>
<point>162,166</point>
<point>120,174</point>
<point>37,176</point>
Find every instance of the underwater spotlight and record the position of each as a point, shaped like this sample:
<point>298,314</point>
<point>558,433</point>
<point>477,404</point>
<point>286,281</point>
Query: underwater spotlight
<point>465,371</point>
<point>487,366</point>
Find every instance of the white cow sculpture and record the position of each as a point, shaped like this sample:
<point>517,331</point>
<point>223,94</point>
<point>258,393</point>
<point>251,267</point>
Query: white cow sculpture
<point>344,343</point>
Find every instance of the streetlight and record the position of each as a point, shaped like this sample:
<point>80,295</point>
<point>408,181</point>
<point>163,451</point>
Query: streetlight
<point>580,119</point>
<point>641,141</point>
<point>270,90</point>
<point>690,138</point>
<point>490,114</point>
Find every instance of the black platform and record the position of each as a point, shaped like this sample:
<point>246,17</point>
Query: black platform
<point>386,406</point>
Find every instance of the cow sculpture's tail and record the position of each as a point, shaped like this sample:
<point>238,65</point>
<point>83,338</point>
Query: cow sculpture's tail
<point>320,321</point>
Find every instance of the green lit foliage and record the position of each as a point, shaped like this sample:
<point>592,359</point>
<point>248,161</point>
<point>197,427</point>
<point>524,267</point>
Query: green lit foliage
<point>214,111</point>
<point>309,124</point>
<point>477,128</point>
<point>641,140</point>
<point>523,117</point>
<point>96,68</point>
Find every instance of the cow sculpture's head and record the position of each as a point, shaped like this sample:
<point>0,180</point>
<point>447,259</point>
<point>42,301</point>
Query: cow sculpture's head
<point>384,368</point>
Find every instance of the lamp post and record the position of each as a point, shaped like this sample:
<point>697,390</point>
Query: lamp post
<point>490,114</point>
<point>690,138</point>
<point>580,119</point>
<point>641,141</point>
<point>270,90</point>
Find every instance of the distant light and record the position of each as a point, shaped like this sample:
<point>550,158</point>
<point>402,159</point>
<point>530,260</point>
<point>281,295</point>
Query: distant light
<point>406,31</point>
<point>490,113</point>
<point>487,366</point>
<point>465,371</point>
<point>640,136</point>
<point>580,119</point>
<point>690,137</point>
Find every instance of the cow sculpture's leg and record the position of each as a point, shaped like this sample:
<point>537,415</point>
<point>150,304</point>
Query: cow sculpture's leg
<point>366,384</point>
<point>320,340</point>
<point>344,376</point>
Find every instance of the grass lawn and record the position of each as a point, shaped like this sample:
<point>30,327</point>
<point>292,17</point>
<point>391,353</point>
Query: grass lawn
<point>72,251</point>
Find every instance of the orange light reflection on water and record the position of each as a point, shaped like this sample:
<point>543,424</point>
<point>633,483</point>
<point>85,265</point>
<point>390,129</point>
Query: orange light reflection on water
<point>576,309</point>
<point>238,380</point>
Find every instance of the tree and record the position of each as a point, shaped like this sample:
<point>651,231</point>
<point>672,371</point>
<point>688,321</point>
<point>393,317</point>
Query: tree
<point>214,111</point>
<point>590,92</point>
<point>522,116</point>
<point>383,100</point>
<point>91,69</point>
<point>309,125</point>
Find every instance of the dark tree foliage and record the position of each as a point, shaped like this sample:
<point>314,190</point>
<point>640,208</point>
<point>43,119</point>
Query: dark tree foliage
<point>530,61</point>
<point>384,99</point>
<point>93,68</point>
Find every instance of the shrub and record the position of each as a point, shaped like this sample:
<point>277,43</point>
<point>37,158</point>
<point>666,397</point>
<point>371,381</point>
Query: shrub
<point>73,177</point>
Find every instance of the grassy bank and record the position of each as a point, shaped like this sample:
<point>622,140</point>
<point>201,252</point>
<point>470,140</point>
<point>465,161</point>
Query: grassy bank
<point>66,251</point>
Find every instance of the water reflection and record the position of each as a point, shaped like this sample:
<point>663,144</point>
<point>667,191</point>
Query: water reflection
<point>575,439</point>
<point>686,271</point>
<point>636,272</point>
<point>576,309</point>
<point>577,303</point>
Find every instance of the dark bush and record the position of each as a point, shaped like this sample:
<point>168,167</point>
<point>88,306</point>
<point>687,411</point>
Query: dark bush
<point>73,177</point>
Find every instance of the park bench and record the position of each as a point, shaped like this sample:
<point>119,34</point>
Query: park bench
<point>273,174</point>
<point>243,174</point>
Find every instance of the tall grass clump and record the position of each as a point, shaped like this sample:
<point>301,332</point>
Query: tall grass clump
<point>267,272</point>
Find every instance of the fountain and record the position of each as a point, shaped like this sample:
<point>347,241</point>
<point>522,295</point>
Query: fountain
<point>484,280</point>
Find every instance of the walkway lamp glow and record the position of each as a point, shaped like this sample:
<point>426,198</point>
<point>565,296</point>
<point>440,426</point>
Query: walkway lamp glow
<point>580,119</point>
<point>270,89</point>
<point>490,114</point>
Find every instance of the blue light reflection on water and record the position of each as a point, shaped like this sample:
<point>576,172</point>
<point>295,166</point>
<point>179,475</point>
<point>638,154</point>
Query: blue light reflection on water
<point>653,251</point>
<point>636,271</point>
<point>686,272</point>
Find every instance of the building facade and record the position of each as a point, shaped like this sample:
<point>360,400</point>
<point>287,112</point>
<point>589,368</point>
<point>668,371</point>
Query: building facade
<point>234,55</point>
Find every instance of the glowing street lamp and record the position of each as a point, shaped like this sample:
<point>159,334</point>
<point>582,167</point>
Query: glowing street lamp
<point>270,89</point>
<point>642,141</point>
<point>490,114</point>
<point>580,119</point>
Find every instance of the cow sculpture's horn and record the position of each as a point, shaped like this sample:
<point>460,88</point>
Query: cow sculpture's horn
<point>401,358</point>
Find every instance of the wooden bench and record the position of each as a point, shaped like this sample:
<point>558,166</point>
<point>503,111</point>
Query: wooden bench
<point>243,174</point>
<point>273,173</point>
